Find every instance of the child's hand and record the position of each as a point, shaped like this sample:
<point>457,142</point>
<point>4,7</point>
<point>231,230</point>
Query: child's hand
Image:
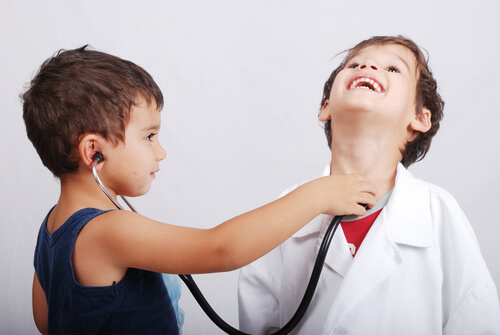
<point>345,194</point>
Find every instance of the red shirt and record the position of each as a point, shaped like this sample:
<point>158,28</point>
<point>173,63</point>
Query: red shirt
<point>355,231</point>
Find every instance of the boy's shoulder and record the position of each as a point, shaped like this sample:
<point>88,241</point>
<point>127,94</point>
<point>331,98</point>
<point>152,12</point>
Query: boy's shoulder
<point>438,196</point>
<point>446,213</point>
<point>436,192</point>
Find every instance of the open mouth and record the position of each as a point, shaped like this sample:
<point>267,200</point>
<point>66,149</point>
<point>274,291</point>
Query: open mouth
<point>366,83</point>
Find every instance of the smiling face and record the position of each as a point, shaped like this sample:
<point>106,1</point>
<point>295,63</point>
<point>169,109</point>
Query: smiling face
<point>376,87</point>
<point>379,79</point>
<point>130,166</point>
<point>428,102</point>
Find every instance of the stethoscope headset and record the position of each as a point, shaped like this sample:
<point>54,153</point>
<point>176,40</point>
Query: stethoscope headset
<point>190,283</point>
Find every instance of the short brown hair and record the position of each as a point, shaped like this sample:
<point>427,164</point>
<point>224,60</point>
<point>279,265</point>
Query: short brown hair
<point>426,95</point>
<point>77,92</point>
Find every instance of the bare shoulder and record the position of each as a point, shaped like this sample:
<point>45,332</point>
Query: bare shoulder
<point>97,255</point>
<point>108,232</point>
<point>114,241</point>
<point>118,226</point>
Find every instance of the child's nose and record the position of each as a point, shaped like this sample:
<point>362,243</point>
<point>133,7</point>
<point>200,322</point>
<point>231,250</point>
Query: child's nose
<point>161,154</point>
<point>369,65</point>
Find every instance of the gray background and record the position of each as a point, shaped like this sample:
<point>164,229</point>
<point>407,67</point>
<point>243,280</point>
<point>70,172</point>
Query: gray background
<point>242,82</point>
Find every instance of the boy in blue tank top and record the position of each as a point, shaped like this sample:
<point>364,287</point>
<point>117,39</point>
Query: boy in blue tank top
<point>97,269</point>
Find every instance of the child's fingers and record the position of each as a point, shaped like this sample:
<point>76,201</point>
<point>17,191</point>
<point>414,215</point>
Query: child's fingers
<point>369,188</point>
<point>365,193</point>
<point>367,199</point>
<point>359,210</point>
<point>364,184</point>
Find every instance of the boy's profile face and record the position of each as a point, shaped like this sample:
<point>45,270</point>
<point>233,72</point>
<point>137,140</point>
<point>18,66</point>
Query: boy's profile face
<point>377,84</point>
<point>130,166</point>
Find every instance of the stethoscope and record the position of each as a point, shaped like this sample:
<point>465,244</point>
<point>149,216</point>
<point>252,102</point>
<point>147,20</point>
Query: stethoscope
<point>190,283</point>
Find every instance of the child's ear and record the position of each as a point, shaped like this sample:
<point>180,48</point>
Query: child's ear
<point>324,114</point>
<point>89,145</point>
<point>422,121</point>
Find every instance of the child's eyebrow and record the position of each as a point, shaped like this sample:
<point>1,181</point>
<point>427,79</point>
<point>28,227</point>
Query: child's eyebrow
<point>403,61</point>
<point>152,128</point>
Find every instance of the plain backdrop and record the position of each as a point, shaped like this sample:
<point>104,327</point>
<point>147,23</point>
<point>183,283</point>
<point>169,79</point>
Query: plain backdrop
<point>242,82</point>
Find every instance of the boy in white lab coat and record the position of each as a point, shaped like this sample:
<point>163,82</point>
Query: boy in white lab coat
<point>412,265</point>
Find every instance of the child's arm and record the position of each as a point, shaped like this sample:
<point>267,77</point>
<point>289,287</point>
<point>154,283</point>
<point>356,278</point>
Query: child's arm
<point>40,308</point>
<point>125,239</point>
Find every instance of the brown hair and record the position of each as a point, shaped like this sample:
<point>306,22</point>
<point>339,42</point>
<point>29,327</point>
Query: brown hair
<point>77,92</point>
<point>426,95</point>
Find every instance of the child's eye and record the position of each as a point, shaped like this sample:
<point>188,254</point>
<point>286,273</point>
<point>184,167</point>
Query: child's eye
<point>150,137</point>
<point>393,69</point>
<point>353,66</point>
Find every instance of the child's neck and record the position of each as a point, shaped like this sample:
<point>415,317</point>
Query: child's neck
<point>81,190</point>
<point>373,156</point>
<point>78,191</point>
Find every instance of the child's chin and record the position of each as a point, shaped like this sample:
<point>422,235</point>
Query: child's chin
<point>143,192</point>
<point>140,192</point>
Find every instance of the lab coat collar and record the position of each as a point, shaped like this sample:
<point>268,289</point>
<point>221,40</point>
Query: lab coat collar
<point>314,226</point>
<point>407,216</point>
<point>408,212</point>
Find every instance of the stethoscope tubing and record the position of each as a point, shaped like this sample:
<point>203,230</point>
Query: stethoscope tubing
<point>209,311</point>
<point>105,190</point>
<point>304,304</point>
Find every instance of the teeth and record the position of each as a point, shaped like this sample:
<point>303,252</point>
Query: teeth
<point>373,83</point>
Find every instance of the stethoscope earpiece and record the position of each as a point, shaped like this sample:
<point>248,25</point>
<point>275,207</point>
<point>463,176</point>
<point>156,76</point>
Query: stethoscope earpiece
<point>98,157</point>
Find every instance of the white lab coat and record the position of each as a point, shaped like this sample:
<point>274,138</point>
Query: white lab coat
<point>418,271</point>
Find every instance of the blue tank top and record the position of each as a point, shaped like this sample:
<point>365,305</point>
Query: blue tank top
<point>138,304</point>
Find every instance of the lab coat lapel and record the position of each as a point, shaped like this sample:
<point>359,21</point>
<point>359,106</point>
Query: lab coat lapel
<point>405,220</point>
<point>368,269</point>
<point>338,258</point>
<point>409,211</point>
